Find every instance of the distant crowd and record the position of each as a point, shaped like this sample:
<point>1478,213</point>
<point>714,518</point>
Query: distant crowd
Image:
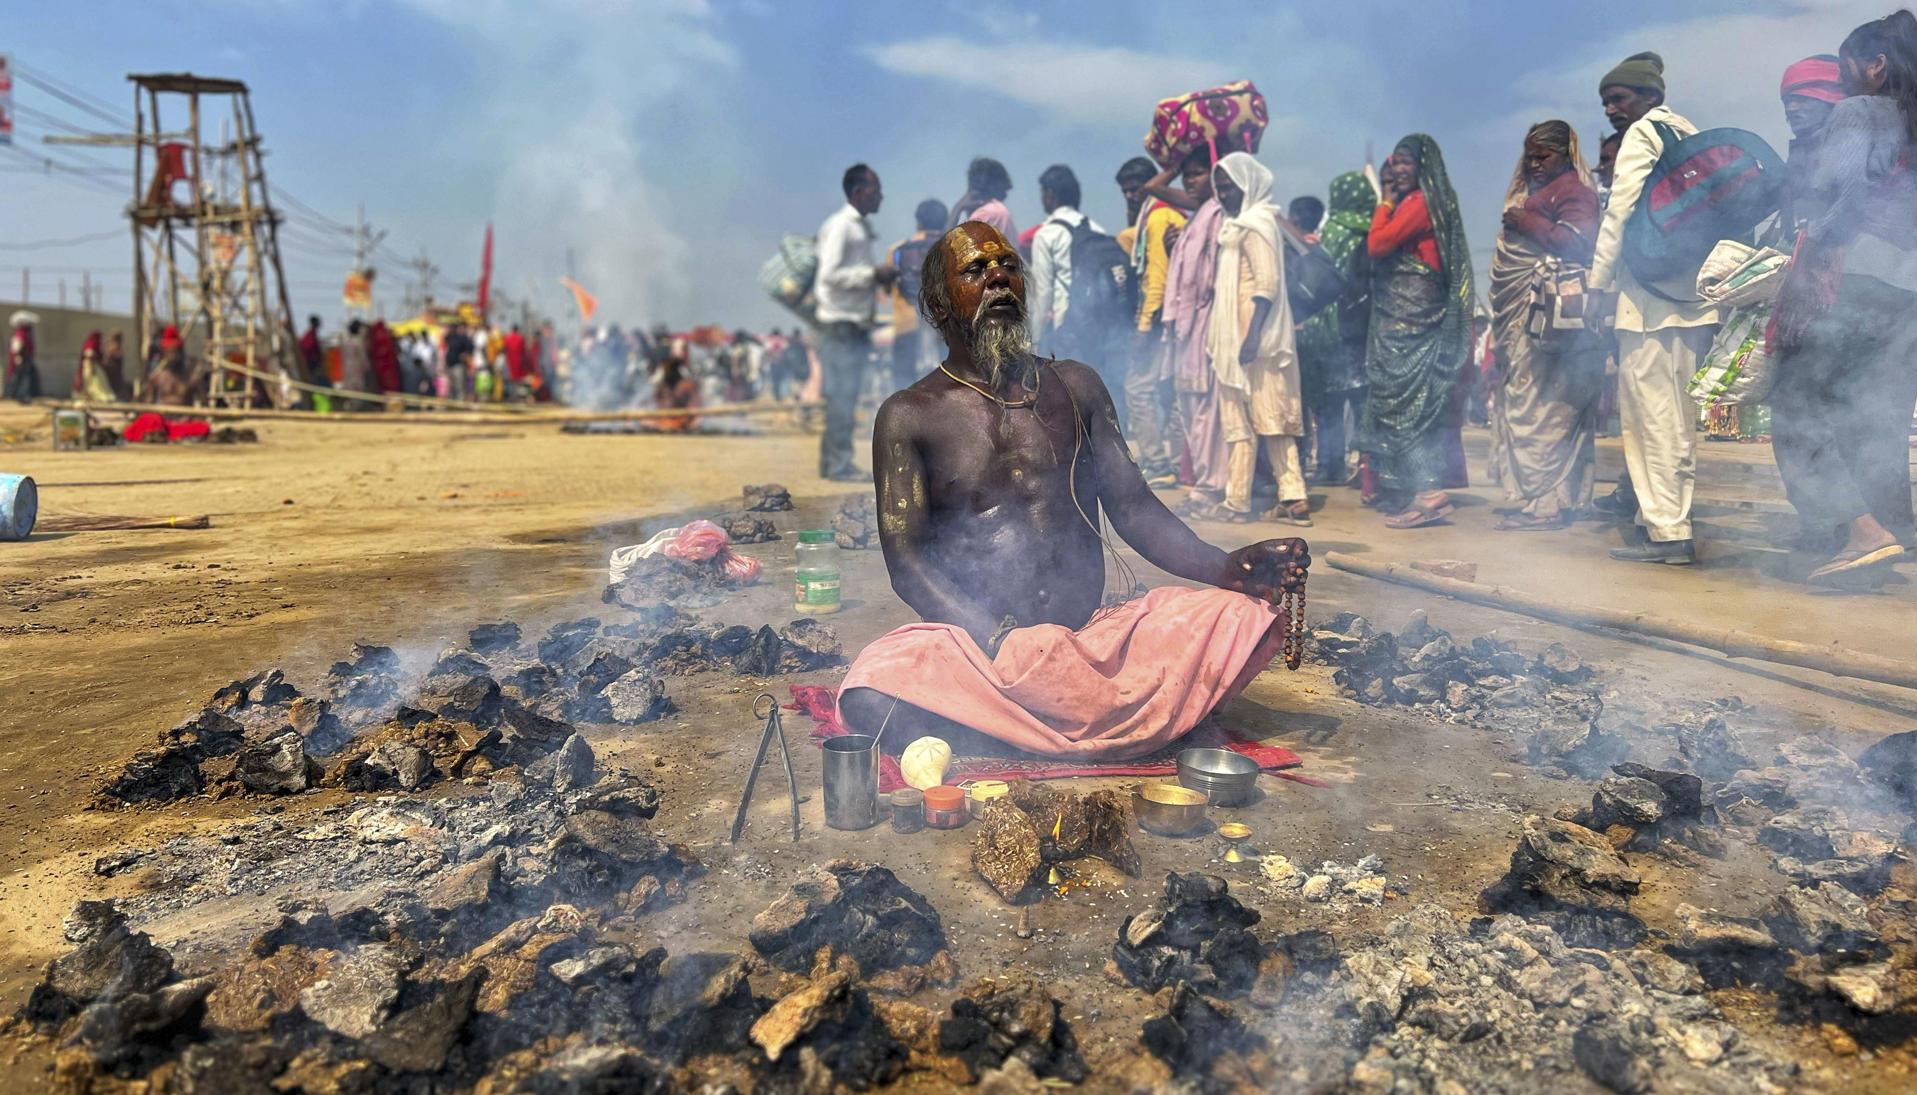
<point>480,363</point>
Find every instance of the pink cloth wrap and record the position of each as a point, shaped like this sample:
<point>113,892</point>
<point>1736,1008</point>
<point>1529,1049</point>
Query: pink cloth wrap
<point>1137,677</point>
<point>1188,288</point>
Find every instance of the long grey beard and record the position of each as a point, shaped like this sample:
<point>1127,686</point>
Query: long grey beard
<point>1002,348</point>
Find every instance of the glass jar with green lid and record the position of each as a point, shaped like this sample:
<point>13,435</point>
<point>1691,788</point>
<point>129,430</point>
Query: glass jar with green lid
<point>816,590</point>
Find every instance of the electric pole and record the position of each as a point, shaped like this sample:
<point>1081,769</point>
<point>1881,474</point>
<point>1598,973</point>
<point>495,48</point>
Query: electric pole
<point>420,296</point>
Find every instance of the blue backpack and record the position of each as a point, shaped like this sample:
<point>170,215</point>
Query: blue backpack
<point>1716,185</point>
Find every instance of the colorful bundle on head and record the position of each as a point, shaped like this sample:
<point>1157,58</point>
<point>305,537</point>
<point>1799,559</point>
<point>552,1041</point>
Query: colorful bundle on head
<point>1228,118</point>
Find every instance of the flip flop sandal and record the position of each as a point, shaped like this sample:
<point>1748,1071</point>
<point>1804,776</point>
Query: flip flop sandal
<point>1419,517</point>
<point>1225,515</point>
<point>1299,516</point>
<point>1847,563</point>
<point>1515,523</point>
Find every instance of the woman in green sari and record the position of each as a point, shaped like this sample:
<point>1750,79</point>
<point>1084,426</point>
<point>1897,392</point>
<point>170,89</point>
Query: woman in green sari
<point>1420,332</point>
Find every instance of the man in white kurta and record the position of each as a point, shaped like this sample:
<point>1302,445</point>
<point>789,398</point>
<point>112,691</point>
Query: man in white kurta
<point>1663,330</point>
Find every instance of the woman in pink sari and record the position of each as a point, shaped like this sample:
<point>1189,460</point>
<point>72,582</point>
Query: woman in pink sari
<point>1187,318</point>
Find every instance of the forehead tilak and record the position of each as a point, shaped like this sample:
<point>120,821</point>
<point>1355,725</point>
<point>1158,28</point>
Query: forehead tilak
<point>966,250</point>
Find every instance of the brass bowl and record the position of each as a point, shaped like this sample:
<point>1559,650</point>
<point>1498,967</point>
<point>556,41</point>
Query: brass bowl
<point>1169,809</point>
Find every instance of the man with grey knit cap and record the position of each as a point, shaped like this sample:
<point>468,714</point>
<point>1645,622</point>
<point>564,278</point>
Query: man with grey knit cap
<point>1663,329</point>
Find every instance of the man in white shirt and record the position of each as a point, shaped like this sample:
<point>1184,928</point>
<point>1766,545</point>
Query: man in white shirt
<point>1663,330</point>
<point>846,289</point>
<point>1052,258</point>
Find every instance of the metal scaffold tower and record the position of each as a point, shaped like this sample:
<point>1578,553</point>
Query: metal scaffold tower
<point>206,255</point>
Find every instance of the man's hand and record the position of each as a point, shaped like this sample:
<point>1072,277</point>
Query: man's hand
<point>1268,570</point>
<point>1248,352</point>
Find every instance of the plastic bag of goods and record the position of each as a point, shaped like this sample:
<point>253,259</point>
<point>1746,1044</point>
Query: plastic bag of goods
<point>1740,367</point>
<point>695,542</point>
<point>1737,274</point>
<point>1231,118</point>
<point>788,275</point>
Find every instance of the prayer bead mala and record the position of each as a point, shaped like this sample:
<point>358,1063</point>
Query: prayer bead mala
<point>1293,601</point>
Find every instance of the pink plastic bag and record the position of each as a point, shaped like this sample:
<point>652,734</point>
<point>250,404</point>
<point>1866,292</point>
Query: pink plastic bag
<point>697,542</point>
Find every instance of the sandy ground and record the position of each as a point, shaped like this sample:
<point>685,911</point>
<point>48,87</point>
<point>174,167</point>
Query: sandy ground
<point>409,534</point>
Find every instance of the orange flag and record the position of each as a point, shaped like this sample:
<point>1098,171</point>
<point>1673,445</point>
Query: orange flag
<point>588,304</point>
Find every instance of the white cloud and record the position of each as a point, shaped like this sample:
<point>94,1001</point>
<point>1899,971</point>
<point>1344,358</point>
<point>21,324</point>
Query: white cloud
<point>1085,84</point>
<point>573,180</point>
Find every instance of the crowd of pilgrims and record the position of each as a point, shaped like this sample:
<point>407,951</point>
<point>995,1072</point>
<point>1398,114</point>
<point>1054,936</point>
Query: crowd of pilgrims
<point>1222,396</point>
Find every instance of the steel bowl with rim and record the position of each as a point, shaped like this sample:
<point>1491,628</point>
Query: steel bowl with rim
<point>1168,809</point>
<point>1230,779</point>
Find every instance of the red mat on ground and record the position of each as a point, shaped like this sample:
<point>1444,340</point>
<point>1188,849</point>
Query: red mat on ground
<point>821,705</point>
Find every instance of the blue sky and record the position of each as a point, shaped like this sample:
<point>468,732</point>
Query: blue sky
<point>667,144</point>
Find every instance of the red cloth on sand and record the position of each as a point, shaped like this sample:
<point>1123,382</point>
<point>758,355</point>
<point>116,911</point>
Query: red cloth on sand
<point>152,426</point>
<point>1139,676</point>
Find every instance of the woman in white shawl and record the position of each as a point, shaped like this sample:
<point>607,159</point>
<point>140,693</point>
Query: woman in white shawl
<point>1251,345</point>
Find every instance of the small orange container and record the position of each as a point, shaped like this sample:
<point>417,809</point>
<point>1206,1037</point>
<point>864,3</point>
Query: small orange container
<point>945,807</point>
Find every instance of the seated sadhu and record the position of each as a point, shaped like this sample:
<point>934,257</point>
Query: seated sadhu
<point>993,472</point>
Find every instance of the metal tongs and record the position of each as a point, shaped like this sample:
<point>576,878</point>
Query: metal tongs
<point>772,726</point>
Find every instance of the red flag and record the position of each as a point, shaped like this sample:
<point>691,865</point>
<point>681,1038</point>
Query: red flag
<point>588,304</point>
<point>486,274</point>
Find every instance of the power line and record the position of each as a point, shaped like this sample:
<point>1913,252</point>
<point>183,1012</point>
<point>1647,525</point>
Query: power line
<point>293,217</point>
<point>100,272</point>
<point>281,193</point>
<point>72,96</point>
<point>299,239</point>
<point>71,241</point>
<point>45,118</point>
<point>42,169</point>
<point>73,172</point>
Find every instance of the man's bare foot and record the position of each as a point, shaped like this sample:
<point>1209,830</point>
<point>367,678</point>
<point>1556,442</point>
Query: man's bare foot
<point>1866,535</point>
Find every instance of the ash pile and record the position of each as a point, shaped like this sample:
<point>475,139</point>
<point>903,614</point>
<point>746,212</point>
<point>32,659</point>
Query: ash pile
<point>491,976</point>
<point>1434,1002</point>
<point>1551,699</point>
<point>494,704</point>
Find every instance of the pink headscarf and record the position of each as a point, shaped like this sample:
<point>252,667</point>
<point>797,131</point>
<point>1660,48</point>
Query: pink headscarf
<point>1814,78</point>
